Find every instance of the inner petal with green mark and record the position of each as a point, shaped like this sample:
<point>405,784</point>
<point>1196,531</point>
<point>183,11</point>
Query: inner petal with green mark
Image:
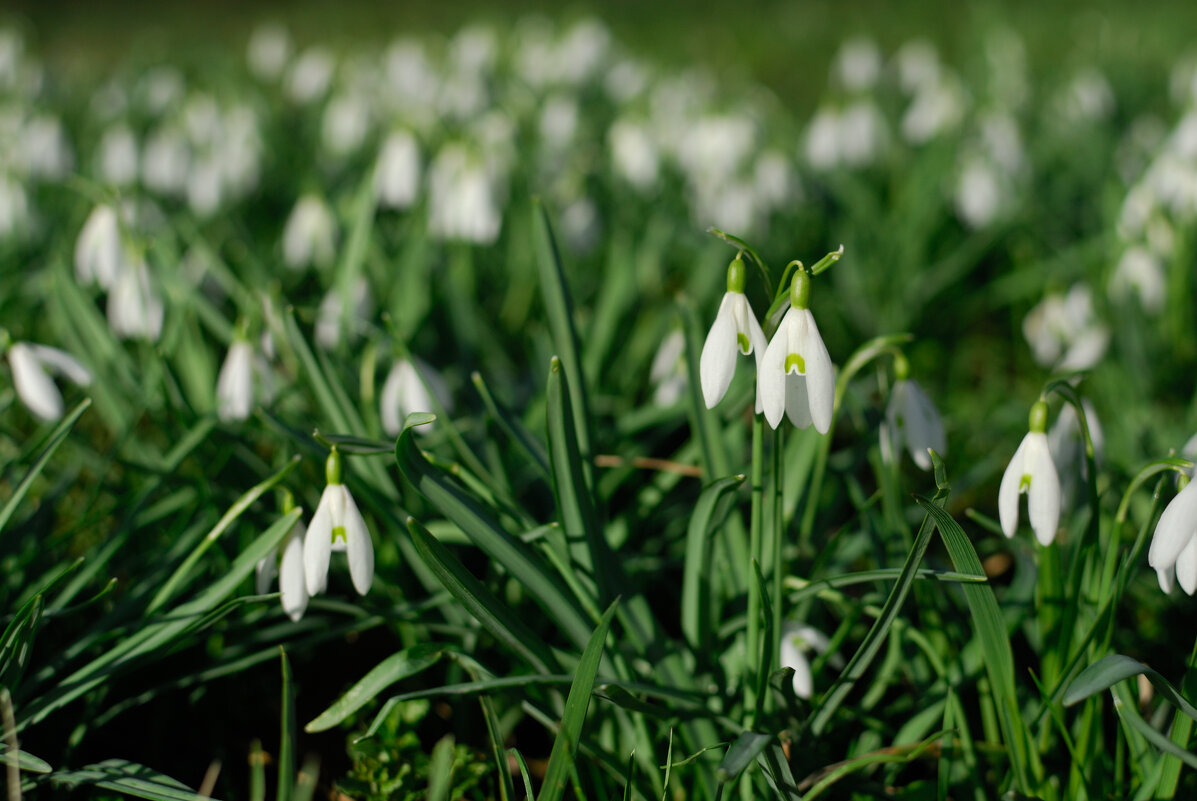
<point>745,346</point>
<point>1025,484</point>
<point>795,361</point>
<point>339,533</point>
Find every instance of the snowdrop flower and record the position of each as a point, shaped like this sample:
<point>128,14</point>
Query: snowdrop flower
<point>735,328</point>
<point>134,307</point>
<point>29,365</point>
<point>98,249</point>
<point>397,174</point>
<point>117,159</point>
<point>409,390</point>
<point>1141,272</point>
<point>634,155</point>
<point>290,570</point>
<point>309,237</point>
<point>269,49</point>
<point>857,65</point>
<point>910,419</point>
<point>337,525</point>
<point>310,75</point>
<point>235,384</point>
<point>343,307</point>
<point>668,371</point>
<point>796,376</point>
<point>463,202</point>
<point>345,125</point>
<point>1031,471</point>
<point>1174,543</point>
<point>1065,329</point>
<point>796,641</point>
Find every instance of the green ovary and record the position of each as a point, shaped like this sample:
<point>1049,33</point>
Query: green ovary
<point>745,347</point>
<point>1025,484</point>
<point>794,360</point>
<point>339,533</point>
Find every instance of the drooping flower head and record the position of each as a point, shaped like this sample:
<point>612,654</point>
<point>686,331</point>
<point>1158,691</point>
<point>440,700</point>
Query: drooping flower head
<point>291,581</point>
<point>735,328</point>
<point>1032,471</point>
<point>796,376</point>
<point>1173,552</point>
<point>797,640</point>
<point>31,365</point>
<point>911,420</point>
<point>337,525</point>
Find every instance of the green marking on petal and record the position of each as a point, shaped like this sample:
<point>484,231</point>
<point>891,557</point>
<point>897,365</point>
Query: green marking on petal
<point>795,361</point>
<point>1025,484</point>
<point>745,346</point>
<point>338,532</point>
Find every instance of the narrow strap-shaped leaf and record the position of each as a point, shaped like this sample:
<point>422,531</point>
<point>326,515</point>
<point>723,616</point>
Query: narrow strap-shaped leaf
<point>53,441</point>
<point>513,426</point>
<point>560,312</point>
<point>742,753</point>
<point>1114,668</point>
<point>990,630</point>
<point>587,548</point>
<point>696,578</point>
<point>396,667</point>
<point>440,770</point>
<point>494,615</point>
<point>484,531</point>
<point>1130,716</point>
<point>565,746</point>
<point>127,778</point>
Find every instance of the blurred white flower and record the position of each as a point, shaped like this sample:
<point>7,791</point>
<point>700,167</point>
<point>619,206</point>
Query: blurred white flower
<point>462,198</point>
<point>161,87</point>
<point>1067,445</point>
<point>165,162</point>
<point>134,308</point>
<point>343,308</point>
<point>15,215</point>
<point>857,65</point>
<point>823,139</point>
<point>397,173</point>
<point>268,51</point>
<point>1140,272</point>
<point>292,583</point>
<point>1088,97</point>
<point>917,64</point>
<point>98,250</point>
<point>1064,332</point>
<point>936,108</point>
<point>668,375</point>
<point>1174,544</point>
<point>310,75</point>
<point>911,419</point>
<point>863,133</point>
<point>31,381</point>
<point>1032,471</point>
<point>405,392</point>
<point>346,124</point>
<point>634,155</point>
<point>117,159</point>
<point>235,384</point>
<point>979,195</point>
<point>310,235</point>
<point>558,121</point>
<point>337,525</point>
<point>797,640</point>
<point>44,149</point>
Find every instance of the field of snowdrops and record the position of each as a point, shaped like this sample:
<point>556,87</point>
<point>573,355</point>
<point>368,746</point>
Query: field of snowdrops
<point>509,414</point>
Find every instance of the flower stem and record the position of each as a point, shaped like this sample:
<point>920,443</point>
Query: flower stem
<point>752,644</point>
<point>779,528</point>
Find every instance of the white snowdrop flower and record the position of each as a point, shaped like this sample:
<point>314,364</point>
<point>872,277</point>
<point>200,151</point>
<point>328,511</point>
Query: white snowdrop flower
<point>668,375</point>
<point>310,75</point>
<point>32,382</point>
<point>714,147</point>
<point>309,237</point>
<point>773,178</point>
<point>166,162</point>
<point>936,108</point>
<point>408,390</point>
<point>292,583</point>
<point>343,305</point>
<point>735,329</point>
<point>911,419</point>
<point>796,375</point>
<point>581,226</point>
<point>117,158</point>
<point>917,64</point>
<point>1002,141</point>
<point>1183,141</point>
<point>1088,97</point>
<point>474,48</point>
<point>625,80</point>
<point>205,186</point>
<point>1063,331</point>
<point>797,640</point>
<point>345,125</point>
<point>979,196</point>
<point>45,151</point>
<point>634,155</point>
<point>134,308</point>
<point>1174,544</point>
<point>397,173</point>
<point>12,57</point>
<point>337,525</point>
<point>583,50</point>
<point>1140,272</point>
<point>235,384</point>
<point>161,88</point>
<point>863,134</point>
<point>857,65</point>
<point>15,214</point>
<point>1066,442</point>
<point>268,51</point>
<point>1138,207</point>
<point>1032,471</point>
<point>412,82</point>
<point>823,139</point>
<point>558,121</point>
<point>98,250</point>
<point>462,198</point>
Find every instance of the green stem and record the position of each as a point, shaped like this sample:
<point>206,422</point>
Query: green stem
<point>752,645</point>
<point>779,528</point>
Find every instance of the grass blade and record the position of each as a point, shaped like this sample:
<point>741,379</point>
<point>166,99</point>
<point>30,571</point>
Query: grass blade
<point>55,439</point>
<point>127,778</point>
<point>696,578</point>
<point>396,667</point>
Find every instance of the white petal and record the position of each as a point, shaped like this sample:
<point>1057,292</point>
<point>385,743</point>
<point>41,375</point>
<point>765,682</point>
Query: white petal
<point>359,548</point>
<point>923,426</point>
<point>234,386</point>
<point>1043,501</point>
<point>317,545</point>
<point>820,375</point>
<point>1166,578</point>
<point>1186,567</point>
<point>717,364</point>
<point>291,581</point>
<point>389,404</point>
<point>33,386</point>
<point>797,401</point>
<point>887,439</point>
<point>62,363</point>
<point>265,572</point>
<point>1175,529</point>
<point>771,379</point>
<point>1009,490</point>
